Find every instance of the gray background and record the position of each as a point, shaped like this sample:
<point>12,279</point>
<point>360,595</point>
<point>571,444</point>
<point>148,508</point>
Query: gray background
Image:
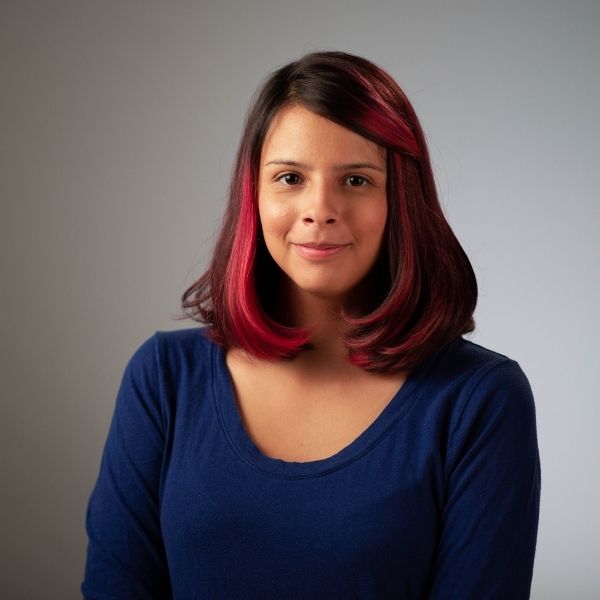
<point>119,121</point>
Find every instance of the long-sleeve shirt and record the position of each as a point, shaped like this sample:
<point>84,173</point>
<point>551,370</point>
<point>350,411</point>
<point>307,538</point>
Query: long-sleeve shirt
<point>437,498</point>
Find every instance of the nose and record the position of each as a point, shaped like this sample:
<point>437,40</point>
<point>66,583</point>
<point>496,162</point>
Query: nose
<point>321,207</point>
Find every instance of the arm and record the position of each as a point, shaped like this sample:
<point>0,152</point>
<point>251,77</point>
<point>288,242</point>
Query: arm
<point>126,558</point>
<point>489,523</point>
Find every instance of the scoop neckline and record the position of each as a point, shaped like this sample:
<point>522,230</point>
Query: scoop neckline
<point>248,451</point>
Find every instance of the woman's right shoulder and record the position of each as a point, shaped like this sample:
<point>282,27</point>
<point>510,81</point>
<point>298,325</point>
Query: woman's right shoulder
<point>175,353</point>
<point>169,369</point>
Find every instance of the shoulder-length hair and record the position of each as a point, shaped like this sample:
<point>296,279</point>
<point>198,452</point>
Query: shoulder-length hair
<point>426,287</point>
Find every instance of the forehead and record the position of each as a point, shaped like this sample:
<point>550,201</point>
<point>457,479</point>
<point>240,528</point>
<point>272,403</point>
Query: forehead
<point>296,133</point>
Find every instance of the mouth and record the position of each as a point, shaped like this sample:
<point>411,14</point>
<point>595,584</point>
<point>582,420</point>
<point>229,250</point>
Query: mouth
<point>317,251</point>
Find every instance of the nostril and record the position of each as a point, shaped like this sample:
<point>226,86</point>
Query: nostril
<point>311,220</point>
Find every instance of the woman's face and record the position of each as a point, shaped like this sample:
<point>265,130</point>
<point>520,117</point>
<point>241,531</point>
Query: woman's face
<point>322,202</point>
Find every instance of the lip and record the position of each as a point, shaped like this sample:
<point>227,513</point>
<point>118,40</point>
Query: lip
<point>319,251</point>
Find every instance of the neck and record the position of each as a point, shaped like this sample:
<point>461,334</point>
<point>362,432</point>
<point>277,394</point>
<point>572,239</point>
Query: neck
<point>322,318</point>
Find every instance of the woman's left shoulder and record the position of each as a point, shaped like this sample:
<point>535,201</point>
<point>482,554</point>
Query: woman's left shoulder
<point>469,361</point>
<point>485,381</point>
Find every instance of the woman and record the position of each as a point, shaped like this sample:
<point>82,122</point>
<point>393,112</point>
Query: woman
<point>329,434</point>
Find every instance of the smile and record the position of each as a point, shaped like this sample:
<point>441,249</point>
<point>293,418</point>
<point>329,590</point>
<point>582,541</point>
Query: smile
<point>319,251</point>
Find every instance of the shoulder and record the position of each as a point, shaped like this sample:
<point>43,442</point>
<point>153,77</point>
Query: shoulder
<point>194,341</point>
<point>484,386</point>
<point>465,356</point>
<point>176,352</point>
<point>470,365</point>
<point>167,370</point>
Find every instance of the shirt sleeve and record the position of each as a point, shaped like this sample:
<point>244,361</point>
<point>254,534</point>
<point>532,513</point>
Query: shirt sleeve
<point>490,516</point>
<point>126,557</point>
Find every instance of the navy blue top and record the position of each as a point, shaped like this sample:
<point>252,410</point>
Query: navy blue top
<point>437,498</point>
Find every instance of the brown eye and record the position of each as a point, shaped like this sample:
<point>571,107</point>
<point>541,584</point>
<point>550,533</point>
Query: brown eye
<point>356,180</point>
<point>289,178</point>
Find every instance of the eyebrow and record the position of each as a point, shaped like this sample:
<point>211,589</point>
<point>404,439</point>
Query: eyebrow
<point>344,167</point>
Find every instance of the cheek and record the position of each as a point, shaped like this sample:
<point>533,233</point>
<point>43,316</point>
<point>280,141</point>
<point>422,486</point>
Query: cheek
<point>276,217</point>
<point>372,222</point>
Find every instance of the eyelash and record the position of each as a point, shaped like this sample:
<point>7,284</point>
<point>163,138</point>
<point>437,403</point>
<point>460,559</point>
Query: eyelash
<point>365,180</point>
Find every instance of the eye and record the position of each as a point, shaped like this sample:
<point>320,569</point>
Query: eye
<point>289,178</point>
<point>357,180</point>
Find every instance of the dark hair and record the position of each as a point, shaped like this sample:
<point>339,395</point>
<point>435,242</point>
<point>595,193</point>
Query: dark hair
<point>426,287</point>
